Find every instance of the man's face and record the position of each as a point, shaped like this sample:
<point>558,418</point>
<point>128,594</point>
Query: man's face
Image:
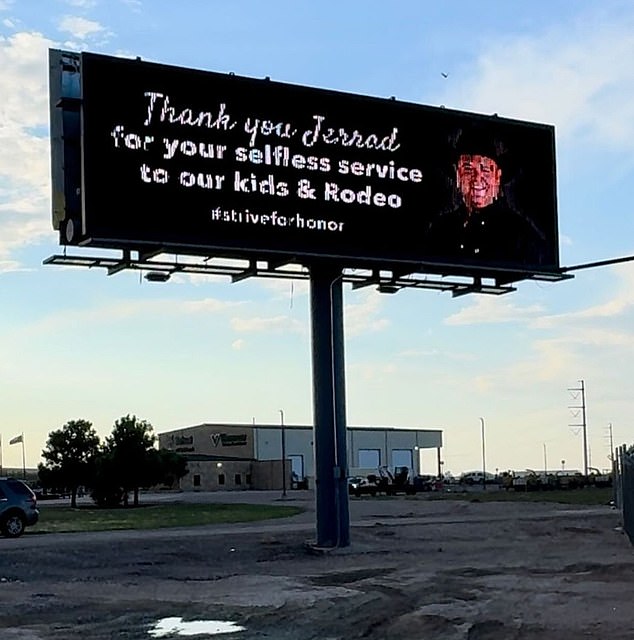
<point>478,180</point>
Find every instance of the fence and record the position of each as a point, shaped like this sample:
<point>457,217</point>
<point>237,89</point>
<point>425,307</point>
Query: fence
<point>624,488</point>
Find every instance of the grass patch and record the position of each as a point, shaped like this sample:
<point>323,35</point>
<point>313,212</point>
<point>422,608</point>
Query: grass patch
<point>68,520</point>
<point>587,496</point>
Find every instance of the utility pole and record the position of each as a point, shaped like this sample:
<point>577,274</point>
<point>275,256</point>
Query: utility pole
<point>283,453</point>
<point>612,460</point>
<point>580,392</point>
<point>484,465</point>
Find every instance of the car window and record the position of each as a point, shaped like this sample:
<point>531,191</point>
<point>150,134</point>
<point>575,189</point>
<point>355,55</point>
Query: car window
<point>19,487</point>
<point>2,494</point>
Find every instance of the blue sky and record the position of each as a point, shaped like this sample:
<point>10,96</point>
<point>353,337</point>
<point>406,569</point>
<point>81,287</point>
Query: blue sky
<point>75,343</point>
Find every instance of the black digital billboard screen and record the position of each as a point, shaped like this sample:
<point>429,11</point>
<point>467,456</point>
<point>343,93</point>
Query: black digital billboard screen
<point>218,164</point>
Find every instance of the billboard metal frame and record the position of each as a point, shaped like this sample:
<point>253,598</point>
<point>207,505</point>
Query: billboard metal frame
<point>389,275</point>
<point>385,281</point>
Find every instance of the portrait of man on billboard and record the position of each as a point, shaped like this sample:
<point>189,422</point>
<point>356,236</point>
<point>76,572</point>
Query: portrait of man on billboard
<point>484,220</point>
<point>478,180</point>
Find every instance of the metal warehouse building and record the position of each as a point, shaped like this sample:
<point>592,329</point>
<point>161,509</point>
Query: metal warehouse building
<point>249,456</point>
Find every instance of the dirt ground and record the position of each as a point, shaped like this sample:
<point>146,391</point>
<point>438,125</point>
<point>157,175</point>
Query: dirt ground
<point>416,569</point>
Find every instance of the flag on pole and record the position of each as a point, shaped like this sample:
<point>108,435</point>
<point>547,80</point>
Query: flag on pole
<point>17,439</point>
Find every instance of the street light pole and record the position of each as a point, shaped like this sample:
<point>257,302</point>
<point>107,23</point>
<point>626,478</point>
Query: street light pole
<point>484,471</point>
<point>283,454</point>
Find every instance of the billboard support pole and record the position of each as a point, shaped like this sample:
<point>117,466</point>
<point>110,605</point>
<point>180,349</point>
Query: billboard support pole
<point>329,407</point>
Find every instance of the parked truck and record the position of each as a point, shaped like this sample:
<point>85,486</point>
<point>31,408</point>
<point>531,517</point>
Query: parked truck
<point>389,483</point>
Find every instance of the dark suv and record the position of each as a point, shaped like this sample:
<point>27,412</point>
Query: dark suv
<point>18,507</point>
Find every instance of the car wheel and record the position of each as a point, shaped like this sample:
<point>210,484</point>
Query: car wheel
<point>13,525</point>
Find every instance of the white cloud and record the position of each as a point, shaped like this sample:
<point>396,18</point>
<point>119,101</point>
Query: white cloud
<point>83,4</point>
<point>608,309</point>
<point>565,357</point>
<point>9,265</point>
<point>598,337</point>
<point>359,317</point>
<point>577,76</point>
<point>238,344</point>
<point>275,324</point>
<point>208,305</point>
<point>589,340</point>
<point>79,27</point>
<point>24,156</point>
<point>135,5</point>
<point>24,160</point>
<point>619,301</point>
<point>118,311</point>
<point>436,354</point>
<point>372,371</point>
<point>364,316</point>
<point>289,289</point>
<point>24,81</point>
<point>486,310</point>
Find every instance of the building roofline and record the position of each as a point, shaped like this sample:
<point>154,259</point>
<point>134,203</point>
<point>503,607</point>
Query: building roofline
<point>249,425</point>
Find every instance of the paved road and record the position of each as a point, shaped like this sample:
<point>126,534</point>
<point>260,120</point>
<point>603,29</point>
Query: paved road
<point>364,512</point>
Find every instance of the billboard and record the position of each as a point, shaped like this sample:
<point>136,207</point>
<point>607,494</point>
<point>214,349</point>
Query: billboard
<point>205,163</point>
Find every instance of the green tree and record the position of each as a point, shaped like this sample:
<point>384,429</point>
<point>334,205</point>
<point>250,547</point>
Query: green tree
<point>106,488</point>
<point>132,451</point>
<point>171,467</point>
<point>69,456</point>
<point>50,478</point>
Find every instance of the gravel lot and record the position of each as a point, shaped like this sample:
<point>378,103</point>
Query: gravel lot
<point>419,569</point>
